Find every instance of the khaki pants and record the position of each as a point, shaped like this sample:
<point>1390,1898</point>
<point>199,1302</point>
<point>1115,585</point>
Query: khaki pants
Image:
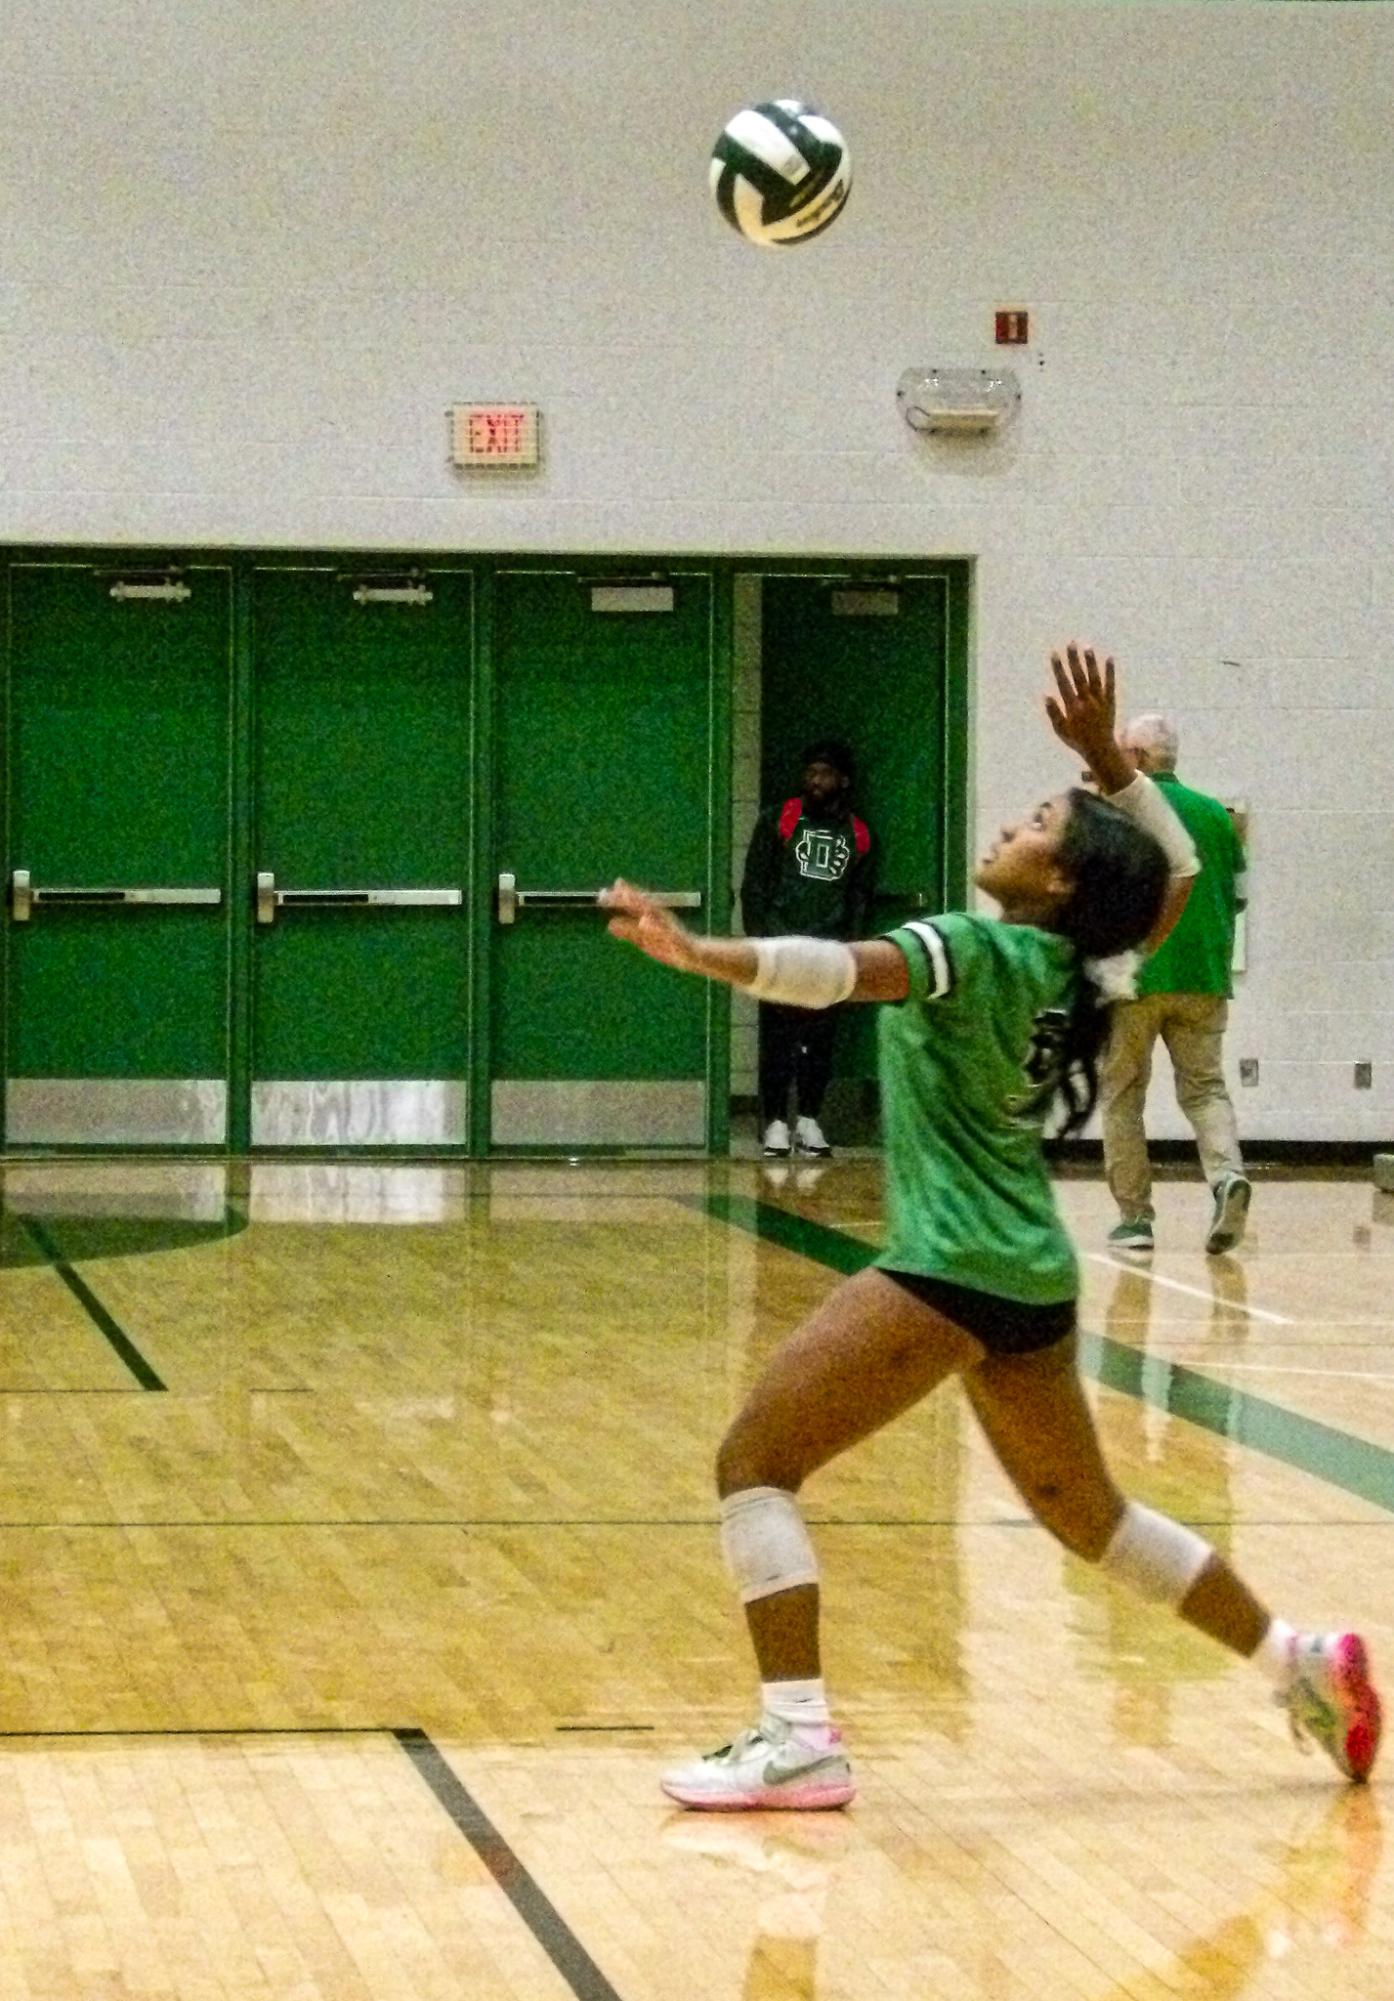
<point>1191,1026</point>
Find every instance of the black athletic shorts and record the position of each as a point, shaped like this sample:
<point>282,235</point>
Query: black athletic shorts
<point>1004,1326</point>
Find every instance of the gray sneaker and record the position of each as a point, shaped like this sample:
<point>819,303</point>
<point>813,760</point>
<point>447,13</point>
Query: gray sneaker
<point>1134,1233</point>
<point>770,1766</point>
<point>1232,1194</point>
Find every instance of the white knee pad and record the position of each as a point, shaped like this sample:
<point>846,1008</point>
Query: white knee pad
<point>765,1543</point>
<point>1155,1556</point>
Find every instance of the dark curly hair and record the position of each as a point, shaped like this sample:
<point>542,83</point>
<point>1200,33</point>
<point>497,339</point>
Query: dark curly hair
<point>1118,877</point>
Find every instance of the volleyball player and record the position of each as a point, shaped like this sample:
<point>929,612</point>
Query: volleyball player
<point>992,1020</point>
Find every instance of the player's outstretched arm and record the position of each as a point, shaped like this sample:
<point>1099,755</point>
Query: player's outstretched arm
<point>800,972</point>
<point>653,929</point>
<point>882,974</point>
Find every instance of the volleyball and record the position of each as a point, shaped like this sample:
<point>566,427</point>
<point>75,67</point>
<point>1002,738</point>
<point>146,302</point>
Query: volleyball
<point>781,172</point>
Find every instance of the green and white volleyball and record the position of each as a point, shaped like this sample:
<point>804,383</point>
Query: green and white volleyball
<point>781,172</point>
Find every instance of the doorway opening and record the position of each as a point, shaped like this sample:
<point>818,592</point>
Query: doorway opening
<point>876,656</point>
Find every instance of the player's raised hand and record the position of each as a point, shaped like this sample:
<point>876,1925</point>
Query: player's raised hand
<point>641,921</point>
<point>1083,712</point>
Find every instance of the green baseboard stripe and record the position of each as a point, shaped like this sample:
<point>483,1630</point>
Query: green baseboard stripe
<point>1355,1465</point>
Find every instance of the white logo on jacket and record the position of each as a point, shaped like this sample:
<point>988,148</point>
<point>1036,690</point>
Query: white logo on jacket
<point>823,853</point>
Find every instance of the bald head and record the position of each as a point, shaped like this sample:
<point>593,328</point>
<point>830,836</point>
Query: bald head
<point>1152,741</point>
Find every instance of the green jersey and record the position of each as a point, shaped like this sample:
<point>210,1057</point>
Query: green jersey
<point>1195,958</point>
<point>969,1065</point>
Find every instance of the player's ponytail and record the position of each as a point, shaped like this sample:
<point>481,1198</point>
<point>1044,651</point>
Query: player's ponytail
<point>1119,879</point>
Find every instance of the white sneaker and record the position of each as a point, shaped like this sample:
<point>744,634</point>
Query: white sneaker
<point>770,1767</point>
<point>809,1140</point>
<point>1329,1697</point>
<point>776,1144</point>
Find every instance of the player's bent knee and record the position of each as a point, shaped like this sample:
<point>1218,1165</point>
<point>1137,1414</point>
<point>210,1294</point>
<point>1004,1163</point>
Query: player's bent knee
<point>744,1461</point>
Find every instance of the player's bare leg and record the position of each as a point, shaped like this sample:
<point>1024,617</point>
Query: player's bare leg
<point>1038,1421</point>
<point>869,1352</point>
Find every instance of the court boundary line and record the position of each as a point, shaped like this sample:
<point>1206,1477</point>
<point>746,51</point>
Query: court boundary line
<point>508,1869</point>
<point>121,1342</point>
<point>1355,1465</point>
<point>1195,1291</point>
<point>1288,1369</point>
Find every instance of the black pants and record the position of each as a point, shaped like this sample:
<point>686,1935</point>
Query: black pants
<point>796,1047</point>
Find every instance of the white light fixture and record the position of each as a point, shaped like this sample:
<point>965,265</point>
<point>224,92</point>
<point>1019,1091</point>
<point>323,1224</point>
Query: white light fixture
<point>958,402</point>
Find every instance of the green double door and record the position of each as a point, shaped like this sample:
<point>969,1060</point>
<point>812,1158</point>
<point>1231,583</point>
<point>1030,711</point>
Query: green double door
<point>296,862</point>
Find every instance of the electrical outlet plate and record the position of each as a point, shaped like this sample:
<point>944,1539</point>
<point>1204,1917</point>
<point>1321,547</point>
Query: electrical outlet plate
<point>1364,1076</point>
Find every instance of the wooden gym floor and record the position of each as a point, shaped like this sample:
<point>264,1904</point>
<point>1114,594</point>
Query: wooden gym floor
<point>360,1575</point>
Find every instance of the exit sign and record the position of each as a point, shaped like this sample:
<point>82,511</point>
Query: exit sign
<point>493,434</point>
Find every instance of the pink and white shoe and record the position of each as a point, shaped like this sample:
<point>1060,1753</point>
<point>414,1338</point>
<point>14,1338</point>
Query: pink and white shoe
<point>1331,1699</point>
<point>770,1768</point>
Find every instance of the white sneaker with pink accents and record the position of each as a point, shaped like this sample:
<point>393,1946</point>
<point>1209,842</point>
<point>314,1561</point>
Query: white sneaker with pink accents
<point>773,1767</point>
<point>1331,1699</point>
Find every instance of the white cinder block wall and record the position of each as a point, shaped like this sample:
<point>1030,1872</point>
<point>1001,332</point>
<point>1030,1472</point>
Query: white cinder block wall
<point>252,251</point>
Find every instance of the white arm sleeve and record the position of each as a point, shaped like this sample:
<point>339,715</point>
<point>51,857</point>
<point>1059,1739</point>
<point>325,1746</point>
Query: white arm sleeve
<point>1146,806</point>
<point>803,972</point>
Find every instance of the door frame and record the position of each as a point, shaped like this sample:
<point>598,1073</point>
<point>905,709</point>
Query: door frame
<point>957,575</point>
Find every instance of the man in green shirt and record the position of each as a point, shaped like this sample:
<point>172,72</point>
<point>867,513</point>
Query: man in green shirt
<point>1183,996</point>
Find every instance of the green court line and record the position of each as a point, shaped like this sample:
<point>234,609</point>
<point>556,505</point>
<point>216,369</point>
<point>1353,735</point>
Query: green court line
<point>1355,1465</point>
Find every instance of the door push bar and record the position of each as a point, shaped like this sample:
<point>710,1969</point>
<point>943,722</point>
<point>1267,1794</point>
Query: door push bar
<point>512,899</point>
<point>270,899</point>
<point>24,896</point>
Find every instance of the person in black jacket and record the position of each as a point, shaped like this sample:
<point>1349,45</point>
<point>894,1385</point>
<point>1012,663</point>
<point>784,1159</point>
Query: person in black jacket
<point>809,871</point>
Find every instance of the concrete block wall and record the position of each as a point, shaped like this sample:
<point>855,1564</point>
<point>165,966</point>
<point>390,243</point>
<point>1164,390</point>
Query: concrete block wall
<point>253,252</point>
